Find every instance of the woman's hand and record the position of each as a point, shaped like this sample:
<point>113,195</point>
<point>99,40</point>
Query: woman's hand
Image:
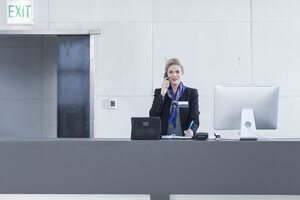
<point>189,133</point>
<point>164,86</point>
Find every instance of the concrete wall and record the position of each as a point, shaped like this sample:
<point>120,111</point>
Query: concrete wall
<point>219,42</point>
<point>27,87</point>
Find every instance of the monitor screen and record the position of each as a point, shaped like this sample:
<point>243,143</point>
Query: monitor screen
<point>230,101</point>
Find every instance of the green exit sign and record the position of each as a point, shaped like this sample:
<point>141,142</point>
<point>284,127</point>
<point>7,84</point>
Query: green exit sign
<point>19,11</point>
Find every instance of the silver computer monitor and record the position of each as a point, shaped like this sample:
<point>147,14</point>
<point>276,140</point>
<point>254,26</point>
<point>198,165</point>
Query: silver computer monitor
<point>245,108</point>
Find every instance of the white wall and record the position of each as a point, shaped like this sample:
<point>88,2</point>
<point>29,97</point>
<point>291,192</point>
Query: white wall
<point>232,41</point>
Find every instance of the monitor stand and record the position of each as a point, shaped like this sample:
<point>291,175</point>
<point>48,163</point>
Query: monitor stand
<point>248,127</point>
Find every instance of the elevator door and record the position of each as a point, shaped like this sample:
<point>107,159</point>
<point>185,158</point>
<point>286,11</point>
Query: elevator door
<point>73,88</point>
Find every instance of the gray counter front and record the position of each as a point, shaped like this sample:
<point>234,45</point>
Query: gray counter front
<point>159,168</point>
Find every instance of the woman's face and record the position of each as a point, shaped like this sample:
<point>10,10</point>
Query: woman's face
<point>174,74</point>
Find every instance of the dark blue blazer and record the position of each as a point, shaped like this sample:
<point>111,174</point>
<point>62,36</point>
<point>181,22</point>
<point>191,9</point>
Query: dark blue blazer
<point>161,108</point>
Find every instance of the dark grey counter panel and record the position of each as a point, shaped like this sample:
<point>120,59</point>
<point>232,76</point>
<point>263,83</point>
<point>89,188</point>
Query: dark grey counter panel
<point>64,166</point>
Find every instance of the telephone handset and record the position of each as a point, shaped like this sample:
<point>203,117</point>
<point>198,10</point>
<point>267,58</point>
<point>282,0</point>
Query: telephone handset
<point>165,78</point>
<point>165,75</point>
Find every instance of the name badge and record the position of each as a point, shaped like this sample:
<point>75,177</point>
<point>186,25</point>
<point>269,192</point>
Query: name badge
<point>183,104</point>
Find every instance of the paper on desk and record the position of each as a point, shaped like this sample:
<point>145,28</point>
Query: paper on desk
<point>173,136</point>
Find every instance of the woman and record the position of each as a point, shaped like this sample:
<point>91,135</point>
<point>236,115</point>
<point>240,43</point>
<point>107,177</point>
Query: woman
<point>175,104</point>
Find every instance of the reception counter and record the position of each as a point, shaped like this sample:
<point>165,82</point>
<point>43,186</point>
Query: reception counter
<point>159,168</point>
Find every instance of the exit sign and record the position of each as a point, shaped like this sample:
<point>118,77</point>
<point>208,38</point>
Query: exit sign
<point>19,11</point>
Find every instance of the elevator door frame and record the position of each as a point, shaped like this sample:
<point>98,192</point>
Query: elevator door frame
<point>91,33</point>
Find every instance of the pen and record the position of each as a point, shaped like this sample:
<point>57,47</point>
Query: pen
<point>191,124</point>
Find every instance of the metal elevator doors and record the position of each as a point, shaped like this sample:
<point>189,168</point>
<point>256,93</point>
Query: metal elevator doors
<point>73,88</point>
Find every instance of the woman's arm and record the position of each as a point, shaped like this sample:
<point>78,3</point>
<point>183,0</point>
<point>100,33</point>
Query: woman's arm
<point>194,113</point>
<point>157,105</point>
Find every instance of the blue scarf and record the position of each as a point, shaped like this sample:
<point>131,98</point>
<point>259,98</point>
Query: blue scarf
<point>174,102</point>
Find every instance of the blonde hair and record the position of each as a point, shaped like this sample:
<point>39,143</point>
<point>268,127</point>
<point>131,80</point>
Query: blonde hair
<point>173,61</point>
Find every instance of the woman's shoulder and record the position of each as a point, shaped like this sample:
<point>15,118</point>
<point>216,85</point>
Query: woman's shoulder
<point>191,92</point>
<point>191,89</point>
<point>157,90</point>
